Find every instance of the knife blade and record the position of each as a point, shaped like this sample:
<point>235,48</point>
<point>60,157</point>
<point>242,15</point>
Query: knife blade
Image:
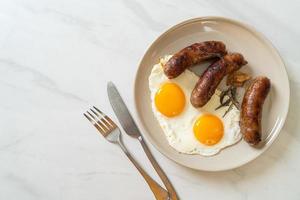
<point>122,111</point>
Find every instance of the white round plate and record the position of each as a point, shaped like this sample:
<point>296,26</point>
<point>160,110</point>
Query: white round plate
<point>263,59</point>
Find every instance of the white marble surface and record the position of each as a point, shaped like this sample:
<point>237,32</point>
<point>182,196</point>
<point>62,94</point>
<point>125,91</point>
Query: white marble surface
<point>55,59</point>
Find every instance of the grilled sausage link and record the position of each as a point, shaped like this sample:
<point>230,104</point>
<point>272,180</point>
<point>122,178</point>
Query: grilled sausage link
<point>213,75</point>
<point>252,106</point>
<point>192,55</point>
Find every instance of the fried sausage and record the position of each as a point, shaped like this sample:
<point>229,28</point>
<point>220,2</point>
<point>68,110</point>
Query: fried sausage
<point>252,105</point>
<point>213,75</point>
<point>192,55</point>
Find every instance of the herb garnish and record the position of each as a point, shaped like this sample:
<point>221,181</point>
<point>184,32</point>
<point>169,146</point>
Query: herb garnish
<point>228,98</point>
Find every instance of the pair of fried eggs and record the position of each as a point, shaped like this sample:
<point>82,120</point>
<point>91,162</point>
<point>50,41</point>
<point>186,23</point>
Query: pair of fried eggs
<point>190,130</point>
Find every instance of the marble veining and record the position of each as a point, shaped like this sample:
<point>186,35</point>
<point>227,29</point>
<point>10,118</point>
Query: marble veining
<point>56,57</point>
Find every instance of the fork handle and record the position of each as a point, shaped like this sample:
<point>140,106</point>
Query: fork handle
<point>159,171</point>
<point>159,192</point>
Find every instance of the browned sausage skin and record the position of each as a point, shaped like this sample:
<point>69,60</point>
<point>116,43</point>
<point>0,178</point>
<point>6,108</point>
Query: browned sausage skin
<point>252,105</point>
<point>213,75</point>
<point>193,55</point>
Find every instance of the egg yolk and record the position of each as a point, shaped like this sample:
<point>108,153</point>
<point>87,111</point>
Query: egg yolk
<point>208,129</point>
<point>169,100</point>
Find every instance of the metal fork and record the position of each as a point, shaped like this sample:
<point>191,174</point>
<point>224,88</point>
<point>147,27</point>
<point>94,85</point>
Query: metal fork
<point>113,134</point>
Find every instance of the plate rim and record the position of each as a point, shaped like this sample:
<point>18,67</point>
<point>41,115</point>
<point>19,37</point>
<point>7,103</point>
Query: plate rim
<point>250,28</point>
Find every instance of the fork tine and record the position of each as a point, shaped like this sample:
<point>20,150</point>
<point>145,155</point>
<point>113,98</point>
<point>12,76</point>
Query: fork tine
<point>98,110</point>
<point>102,118</point>
<point>111,121</point>
<point>94,123</point>
<point>106,117</point>
<point>99,123</point>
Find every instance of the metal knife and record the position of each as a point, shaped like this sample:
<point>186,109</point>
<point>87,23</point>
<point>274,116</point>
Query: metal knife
<point>131,129</point>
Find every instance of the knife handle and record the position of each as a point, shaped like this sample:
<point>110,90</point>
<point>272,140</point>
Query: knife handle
<point>159,171</point>
<point>159,192</point>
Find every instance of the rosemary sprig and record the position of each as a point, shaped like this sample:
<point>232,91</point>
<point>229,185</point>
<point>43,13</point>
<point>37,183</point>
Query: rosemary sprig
<point>226,103</point>
<point>229,109</point>
<point>230,96</point>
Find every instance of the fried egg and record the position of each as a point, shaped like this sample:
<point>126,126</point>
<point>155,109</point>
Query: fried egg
<point>191,130</point>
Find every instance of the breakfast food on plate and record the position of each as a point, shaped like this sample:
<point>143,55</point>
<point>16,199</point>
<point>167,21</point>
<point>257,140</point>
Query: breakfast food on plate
<point>237,79</point>
<point>210,120</point>
<point>252,109</point>
<point>213,75</point>
<point>192,55</point>
<point>188,129</point>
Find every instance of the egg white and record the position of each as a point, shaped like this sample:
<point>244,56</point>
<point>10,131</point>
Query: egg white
<point>179,129</point>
